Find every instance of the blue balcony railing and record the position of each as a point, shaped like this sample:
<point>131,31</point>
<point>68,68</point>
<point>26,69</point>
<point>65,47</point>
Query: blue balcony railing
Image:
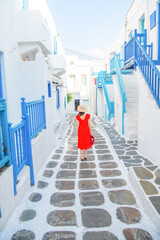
<point>21,152</point>
<point>129,50</point>
<point>36,113</point>
<point>5,157</point>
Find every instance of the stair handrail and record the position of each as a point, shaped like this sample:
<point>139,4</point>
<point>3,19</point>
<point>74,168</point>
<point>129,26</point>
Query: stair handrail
<point>149,71</point>
<point>106,95</point>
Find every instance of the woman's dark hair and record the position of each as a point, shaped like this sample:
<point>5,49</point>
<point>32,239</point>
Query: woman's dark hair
<point>81,113</point>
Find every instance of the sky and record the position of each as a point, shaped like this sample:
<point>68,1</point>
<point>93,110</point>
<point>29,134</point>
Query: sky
<point>88,26</point>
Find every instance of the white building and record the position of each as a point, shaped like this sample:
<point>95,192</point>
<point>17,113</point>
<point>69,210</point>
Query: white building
<point>79,82</point>
<point>32,64</point>
<point>142,117</point>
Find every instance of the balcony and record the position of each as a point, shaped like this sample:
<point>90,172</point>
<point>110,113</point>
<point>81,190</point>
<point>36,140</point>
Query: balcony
<point>32,33</point>
<point>59,65</point>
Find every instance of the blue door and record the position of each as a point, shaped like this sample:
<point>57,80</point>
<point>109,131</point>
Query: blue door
<point>142,27</point>
<point>1,89</point>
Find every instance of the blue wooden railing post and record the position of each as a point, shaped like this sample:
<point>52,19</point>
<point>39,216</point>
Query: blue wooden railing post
<point>23,106</point>
<point>29,148</point>
<point>44,111</point>
<point>13,156</point>
<point>145,39</point>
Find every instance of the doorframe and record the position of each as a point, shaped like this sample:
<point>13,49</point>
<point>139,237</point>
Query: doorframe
<point>75,102</point>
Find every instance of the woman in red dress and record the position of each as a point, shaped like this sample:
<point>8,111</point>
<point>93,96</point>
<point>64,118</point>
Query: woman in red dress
<point>84,130</point>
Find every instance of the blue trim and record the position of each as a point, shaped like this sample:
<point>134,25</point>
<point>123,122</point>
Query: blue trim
<point>25,4</point>
<point>159,30</point>
<point>49,89</point>
<point>65,104</point>
<point>55,45</point>
<point>57,98</point>
<point>153,20</point>
<point>1,86</point>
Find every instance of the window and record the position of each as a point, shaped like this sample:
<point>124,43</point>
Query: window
<point>65,102</point>
<point>25,4</point>
<point>142,26</point>
<point>57,98</point>
<point>83,79</point>
<point>49,89</point>
<point>55,45</point>
<point>130,35</point>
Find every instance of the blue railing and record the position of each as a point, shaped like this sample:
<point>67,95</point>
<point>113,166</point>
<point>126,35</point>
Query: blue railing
<point>149,71</point>
<point>36,112</point>
<point>128,50</point>
<point>115,65</point>
<point>21,152</point>
<point>5,157</point>
<point>142,55</point>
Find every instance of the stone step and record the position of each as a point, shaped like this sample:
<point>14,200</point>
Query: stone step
<point>146,183</point>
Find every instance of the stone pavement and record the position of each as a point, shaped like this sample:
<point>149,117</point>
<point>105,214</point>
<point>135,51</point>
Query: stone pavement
<point>90,200</point>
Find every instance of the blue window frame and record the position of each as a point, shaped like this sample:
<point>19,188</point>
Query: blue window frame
<point>49,89</point>
<point>130,35</point>
<point>1,89</point>
<point>65,102</point>
<point>55,45</point>
<point>25,4</point>
<point>153,20</point>
<point>57,98</point>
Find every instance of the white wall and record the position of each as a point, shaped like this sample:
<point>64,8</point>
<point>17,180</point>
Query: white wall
<point>149,123</point>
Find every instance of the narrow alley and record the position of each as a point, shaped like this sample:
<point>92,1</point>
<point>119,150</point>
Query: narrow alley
<point>90,200</point>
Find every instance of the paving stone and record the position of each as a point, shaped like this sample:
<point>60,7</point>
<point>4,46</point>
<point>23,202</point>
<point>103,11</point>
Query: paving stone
<point>61,218</point>
<point>59,236</point>
<point>48,173</point>
<point>72,152</point>
<point>156,203</point>
<point>131,148</point>
<point>105,157</point>
<point>42,184</point>
<point>65,185</point>
<point>27,215</point>
<point>108,165</point>
<point>133,161</point>
<point>91,198</point>
<point>88,184</point>
<point>113,183</point>
<point>95,218</point>
<point>35,197</point>
<point>70,158</point>
<point>152,168</point>
<point>128,215</point>
<point>99,236</point>
<point>148,187</point>
<point>120,152</point>
<point>143,173</point>
<point>102,151</point>
<point>85,165</point>
<point>136,234</point>
<point>101,146</point>
<point>87,174</point>
<point>118,147</point>
<point>137,156</point>
<point>66,174</point>
<point>90,158</point>
<point>68,165</point>
<point>121,197</point>
<point>110,173</point>
<point>62,199</point>
<point>157,174</point>
<point>59,151</point>
<point>124,157</point>
<point>147,162</point>
<point>132,164</point>
<point>132,153</point>
<point>52,164</point>
<point>56,156</point>
<point>89,152</point>
<point>100,142</point>
<point>23,235</point>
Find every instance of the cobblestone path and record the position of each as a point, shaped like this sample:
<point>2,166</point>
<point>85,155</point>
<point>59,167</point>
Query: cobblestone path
<point>90,200</point>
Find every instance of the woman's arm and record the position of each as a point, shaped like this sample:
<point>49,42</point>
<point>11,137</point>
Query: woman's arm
<point>89,124</point>
<point>77,125</point>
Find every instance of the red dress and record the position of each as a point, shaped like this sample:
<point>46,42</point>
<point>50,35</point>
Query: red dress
<point>84,133</point>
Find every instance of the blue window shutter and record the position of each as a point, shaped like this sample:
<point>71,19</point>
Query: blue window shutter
<point>153,20</point>
<point>49,89</point>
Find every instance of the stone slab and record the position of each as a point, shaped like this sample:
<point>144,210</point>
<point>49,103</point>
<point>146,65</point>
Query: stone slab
<point>63,235</point>
<point>110,173</point>
<point>91,198</point>
<point>65,185</point>
<point>113,183</point>
<point>66,174</point>
<point>122,197</point>
<point>61,218</point>
<point>128,215</point>
<point>62,199</point>
<point>88,184</point>
<point>87,174</point>
<point>136,234</point>
<point>148,187</point>
<point>99,236</point>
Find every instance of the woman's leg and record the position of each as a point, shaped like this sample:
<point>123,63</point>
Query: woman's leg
<point>81,154</point>
<point>85,153</point>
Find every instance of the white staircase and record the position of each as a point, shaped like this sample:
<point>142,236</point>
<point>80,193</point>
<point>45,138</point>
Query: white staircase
<point>131,115</point>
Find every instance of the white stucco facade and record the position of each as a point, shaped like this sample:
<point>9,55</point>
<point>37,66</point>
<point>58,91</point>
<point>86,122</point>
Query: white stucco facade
<point>28,63</point>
